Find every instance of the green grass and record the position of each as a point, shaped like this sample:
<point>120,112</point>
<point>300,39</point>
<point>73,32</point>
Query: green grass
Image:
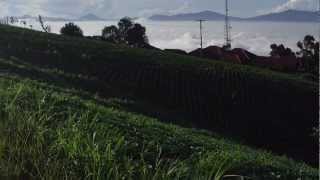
<point>49,134</point>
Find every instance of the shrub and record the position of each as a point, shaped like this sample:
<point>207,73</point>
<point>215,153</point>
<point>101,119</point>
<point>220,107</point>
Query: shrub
<point>71,29</point>
<point>136,36</point>
<point>110,33</point>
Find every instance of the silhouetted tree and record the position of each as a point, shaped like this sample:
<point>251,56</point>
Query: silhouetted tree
<point>127,32</point>
<point>309,51</point>
<point>111,33</point>
<point>124,25</point>
<point>71,29</point>
<point>280,51</point>
<point>136,36</point>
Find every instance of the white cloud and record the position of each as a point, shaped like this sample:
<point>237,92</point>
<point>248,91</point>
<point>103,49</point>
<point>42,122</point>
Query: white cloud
<point>182,9</point>
<point>310,5</point>
<point>48,7</point>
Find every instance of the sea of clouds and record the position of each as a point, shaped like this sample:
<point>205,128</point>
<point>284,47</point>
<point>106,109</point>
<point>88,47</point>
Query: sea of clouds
<point>253,36</point>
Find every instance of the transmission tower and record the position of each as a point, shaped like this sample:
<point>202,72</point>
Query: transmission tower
<point>227,28</point>
<point>201,36</point>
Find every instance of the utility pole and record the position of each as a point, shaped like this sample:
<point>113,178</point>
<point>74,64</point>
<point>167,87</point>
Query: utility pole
<point>227,28</point>
<point>319,18</point>
<point>319,38</point>
<point>201,36</point>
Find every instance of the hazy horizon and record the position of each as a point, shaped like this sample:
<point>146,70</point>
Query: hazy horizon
<point>143,8</point>
<point>75,18</point>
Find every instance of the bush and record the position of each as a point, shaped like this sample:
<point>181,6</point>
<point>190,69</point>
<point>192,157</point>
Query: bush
<point>111,33</point>
<point>71,29</point>
<point>127,32</point>
<point>124,25</point>
<point>136,36</point>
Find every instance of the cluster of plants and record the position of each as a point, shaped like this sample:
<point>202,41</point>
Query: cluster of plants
<point>127,32</point>
<point>280,51</point>
<point>244,102</point>
<point>71,29</point>
<point>308,54</point>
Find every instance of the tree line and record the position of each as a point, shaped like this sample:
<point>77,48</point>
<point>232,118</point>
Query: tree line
<point>308,53</point>
<point>127,32</point>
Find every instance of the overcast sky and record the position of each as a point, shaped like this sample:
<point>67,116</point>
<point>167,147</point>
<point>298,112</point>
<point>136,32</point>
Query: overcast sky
<point>143,8</point>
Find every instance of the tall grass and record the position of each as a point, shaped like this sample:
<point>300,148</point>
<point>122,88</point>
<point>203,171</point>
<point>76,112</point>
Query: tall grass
<point>40,140</point>
<point>52,135</point>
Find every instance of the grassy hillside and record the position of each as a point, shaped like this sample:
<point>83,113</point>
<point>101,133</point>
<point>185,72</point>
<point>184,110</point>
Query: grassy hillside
<point>49,132</point>
<point>117,95</point>
<point>252,104</point>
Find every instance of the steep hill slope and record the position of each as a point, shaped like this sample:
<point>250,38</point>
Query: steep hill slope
<point>51,132</point>
<point>262,108</point>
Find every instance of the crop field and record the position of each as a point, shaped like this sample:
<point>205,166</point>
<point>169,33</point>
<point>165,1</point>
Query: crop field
<point>105,93</point>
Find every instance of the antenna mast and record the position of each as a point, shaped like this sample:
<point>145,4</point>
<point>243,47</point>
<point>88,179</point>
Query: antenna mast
<point>227,28</point>
<point>201,37</point>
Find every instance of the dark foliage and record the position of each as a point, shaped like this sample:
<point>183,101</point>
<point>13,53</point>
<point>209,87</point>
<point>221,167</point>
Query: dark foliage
<point>280,51</point>
<point>136,36</point>
<point>111,33</point>
<point>177,51</point>
<point>309,51</point>
<point>124,25</point>
<point>130,33</point>
<point>71,29</point>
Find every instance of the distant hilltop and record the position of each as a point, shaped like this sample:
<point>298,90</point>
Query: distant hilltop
<point>45,18</point>
<point>289,15</point>
<point>90,17</point>
<point>208,15</point>
<point>286,16</point>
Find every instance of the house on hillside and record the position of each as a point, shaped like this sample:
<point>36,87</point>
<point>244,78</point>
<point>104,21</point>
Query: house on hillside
<point>218,53</point>
<point>241,56</point>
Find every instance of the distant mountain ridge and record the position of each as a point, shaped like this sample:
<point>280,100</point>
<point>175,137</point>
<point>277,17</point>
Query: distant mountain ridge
<point>44,18</point>
<point>90,17</point>
<point>87,17</point>
<point>207,15</point>
<point>289,16</point>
